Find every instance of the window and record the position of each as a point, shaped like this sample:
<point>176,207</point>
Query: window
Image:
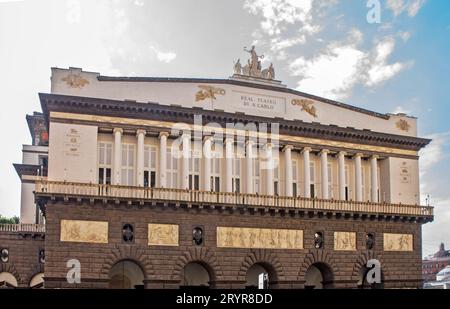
<point>276,176</point>
<point>172,169</point>
<point>194,171</point>
<point>312,178</point>
<point>363,182</point>
<point>236,175</point>
<point>294,178</point>
<point>127,164</point>
<point>347,177</point>
<point>215,172</point>
<point>43,165</point>
<point>104,163</point>
<point>150,166</point>
<point>256,173</point>
<point>330,181</point>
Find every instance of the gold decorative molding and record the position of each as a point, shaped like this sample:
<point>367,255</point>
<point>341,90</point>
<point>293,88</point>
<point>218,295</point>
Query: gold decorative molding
<point>75,81</point>
<point>162,235</point>
<point>398,242</point>
<point>84,231</point>
<point>403,125</point>
<point>345,241</point>
<point>165,125</point>
<point>306,105</point>
<point>208,92</point>
<point>254,238</point>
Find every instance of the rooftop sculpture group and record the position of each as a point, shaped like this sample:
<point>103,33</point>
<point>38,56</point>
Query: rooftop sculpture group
<point>253,67</point>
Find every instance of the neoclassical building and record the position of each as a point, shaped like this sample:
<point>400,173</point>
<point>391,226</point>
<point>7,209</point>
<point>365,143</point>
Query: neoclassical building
<point>152,182</point>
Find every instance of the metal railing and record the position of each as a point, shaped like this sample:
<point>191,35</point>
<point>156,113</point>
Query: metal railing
<point>22,227</point>
<point>222,198</point>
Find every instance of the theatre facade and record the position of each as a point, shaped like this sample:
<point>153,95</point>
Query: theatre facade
<point>143,182</point>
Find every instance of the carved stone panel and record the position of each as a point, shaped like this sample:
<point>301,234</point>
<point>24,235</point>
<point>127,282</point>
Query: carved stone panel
<point>163,235</point>
<point>345,241</point>
<point>84,231</point>
<point>398,242</point>
<point>237,237</point>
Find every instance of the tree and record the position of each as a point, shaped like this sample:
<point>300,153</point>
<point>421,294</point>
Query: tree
<point>5,220</point>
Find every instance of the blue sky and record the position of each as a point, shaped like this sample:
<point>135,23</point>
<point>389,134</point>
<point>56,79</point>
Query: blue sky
<point>322,47</point>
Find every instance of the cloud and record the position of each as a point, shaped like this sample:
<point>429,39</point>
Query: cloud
<point>412,7</point>
<point>434,152</point>
<point>335,70</point>
<point>401,110</point>
<point>166,57</point>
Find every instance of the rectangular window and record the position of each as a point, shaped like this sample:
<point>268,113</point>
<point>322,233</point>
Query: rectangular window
<point>215,172</point>
<point>312,177</point>
<point>276,177</point>
<point>330,181</point>
<point>236,175</point>
<point>256,173</point>
<point>128,153</point>
<point>150,166</point>
<point>104,163</point>
<point>347,183</point>
<point>294,178</point>
<point>363,182</point>
<point>172,169</point>
<point>194,171</point>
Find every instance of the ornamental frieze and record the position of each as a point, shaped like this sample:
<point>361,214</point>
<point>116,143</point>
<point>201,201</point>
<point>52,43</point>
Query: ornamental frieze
<point>208,92</point>
<point>398,242</point>
<point>163,235</point>
<point>306,106</point>
<point>75,81</point>
<point>84,231</point>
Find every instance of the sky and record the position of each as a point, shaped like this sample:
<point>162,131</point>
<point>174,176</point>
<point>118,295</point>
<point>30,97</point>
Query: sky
<point>394,61</point>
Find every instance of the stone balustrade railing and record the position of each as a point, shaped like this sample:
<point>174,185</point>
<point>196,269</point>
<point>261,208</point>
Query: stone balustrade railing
<point>222,198</point>
<point>21,227</point>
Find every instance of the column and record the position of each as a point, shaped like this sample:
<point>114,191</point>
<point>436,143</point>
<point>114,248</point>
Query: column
<point>307,180</point>
<point>324,173</point>
<point>140,134</point>
<point>186,139</point>
<point>374,178</point>
<point>288,170</point>
<point>269,169</point>
<point>229,143</point>
<point>162,159</point>
<point>341,159</point>
<point>117,155</point>
<point>249,167</point>
<point>358,177</point>
<point>207,162</point>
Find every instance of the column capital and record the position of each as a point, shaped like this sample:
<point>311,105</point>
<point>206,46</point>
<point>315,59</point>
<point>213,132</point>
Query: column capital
<point>342,153</point>
<point>306,149</point>
<point>375,157</point>
<point>358,155</point>
<point>250,142</point>
<point>269,145</point>
<point>165,134</point>
<point>324,151</point>
<point>140,131</point>
<point>287,147</point>
<point>229,140</point>
<point>208,138</point>
<point>118,130</point>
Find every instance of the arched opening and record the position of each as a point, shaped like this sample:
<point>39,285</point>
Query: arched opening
<point>126,275</point>
<point>196,274</point>
<point>364,284</point>
<point>7,280</point>
<point>37,281</point>
<point>319,276</point>
<point>257,272</point>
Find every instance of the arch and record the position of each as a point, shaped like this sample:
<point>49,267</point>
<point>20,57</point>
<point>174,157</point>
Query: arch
<point>254,271</point>
<point>8,280</point>
<point>196,274</point>
<point>37,281</point>
<point>360,270</point>
<point>200,255</point>
<point>10,268</point>
<point>126,274</point>
<point>132,253</point>
<point>266,259</point>
<point>319,276</point>
<point>323,261</point>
